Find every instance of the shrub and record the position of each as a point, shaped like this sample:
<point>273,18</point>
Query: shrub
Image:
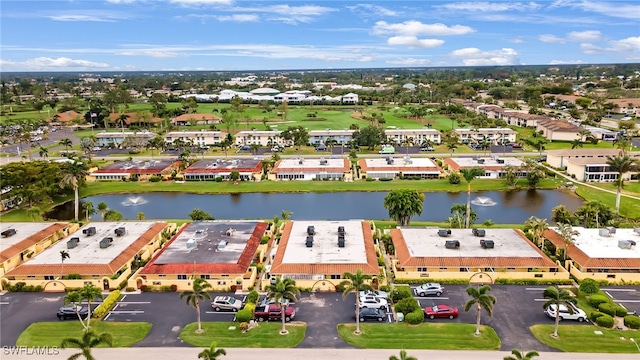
<point>107,304</point>
<point>401,292</point>
<point>597,299</point>
<point>594,315</point>
<point>384,179</point>
<point>249,306</point>
<point>381,261</point>
<point>415,317</point>
<point>605,321</point>
<point>253,297</point>
<point>218,178</point>
<point>130,289</point>
<point>427,280</point>
<point>264,240</point>
<point>620,310</point>
<point>73,277</point>
<point>244,326</point>
<point>173,287</point>
<point>154,178</point>
<point>407,305</point>
<point>386,288</point>
<point>122,285</point>
<point>454,178</point>
<point>369,179</point>
<point>589,286</point>
<point>533,282</point>
<point>607,308</point>
<point>632,322</point>
<point>244,315</point>
<point>144,288</point>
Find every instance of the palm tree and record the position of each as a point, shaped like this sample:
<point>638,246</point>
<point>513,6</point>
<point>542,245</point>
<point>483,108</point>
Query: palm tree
<point>74,175</point>
<point>66,142</point>
<point>285,215</point>
<point>355,283</point>
<point>44,152</point>
<point>469,175</point>
<point>403,356</point>
<point>89,293</point>
<point>566,233</point>
<point>482,300</point>
<point>63,256</point>
<point>537,227</point>
<point>88,341</point>
<point>34,213</point>
<point>402,204</point>
<point>621,164</point>
<point>211,353</point>
<point>140,216</point>
<point>281,290</point>
<point>519,355</point>
<point>452,147</point>
<point>197,294</point>
<point>576,143</point>
<point>102,209</point>
<point>558,297</point>
<point>89,210</point>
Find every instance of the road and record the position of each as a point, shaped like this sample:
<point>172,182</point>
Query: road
<point>307,354</point>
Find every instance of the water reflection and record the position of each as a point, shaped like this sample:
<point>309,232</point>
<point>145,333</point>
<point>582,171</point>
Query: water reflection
<point>511,207</point>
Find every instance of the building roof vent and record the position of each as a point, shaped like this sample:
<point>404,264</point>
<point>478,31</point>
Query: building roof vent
<point>341,241</point>
<point>480,161</point>
<point>120,231</point>
<point>478,232</point>
<point>452,244</point>
<point>341,230</point>
<point>309,241</point>
<point>191,243</point>
<point>90,231</point>
<point>106,242</point>
<point>231,231</point>
<point>311,230</point>
<point>612,230</point>
<point>324,161</point>
<point>486,244</point>
<point>604,232</point>
<point>222,244</point>
<point>73,242</point>
<point>9,232</point>
<point>624,244</point>
<point>444,232</point>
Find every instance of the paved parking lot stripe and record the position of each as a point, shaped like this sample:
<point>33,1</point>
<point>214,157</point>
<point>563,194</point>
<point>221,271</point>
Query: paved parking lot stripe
<point>431,298</point>
<point>134,302</point>
<point>219,312</point>
<point>627,290</point>
<point>126,312</point>
<point>4,303</point>
<point>627,301</point>
<point>540,299</point>
<point>536,289</point>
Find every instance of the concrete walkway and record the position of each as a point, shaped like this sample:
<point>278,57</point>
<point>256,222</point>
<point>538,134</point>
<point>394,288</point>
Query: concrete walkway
<point>569,178</point>
<point>307,354</point>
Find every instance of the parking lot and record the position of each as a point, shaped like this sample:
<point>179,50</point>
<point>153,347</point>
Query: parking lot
<point>517,308</point>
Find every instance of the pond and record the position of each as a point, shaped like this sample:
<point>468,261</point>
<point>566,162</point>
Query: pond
<point>511,207</point>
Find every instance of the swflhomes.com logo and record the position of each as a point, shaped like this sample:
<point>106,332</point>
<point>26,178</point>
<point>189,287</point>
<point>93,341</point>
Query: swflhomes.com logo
<point>30,350</point>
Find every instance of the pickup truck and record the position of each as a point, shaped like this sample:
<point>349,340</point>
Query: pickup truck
<point>273,312</point>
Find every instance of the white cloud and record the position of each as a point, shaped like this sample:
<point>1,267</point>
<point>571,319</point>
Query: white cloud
<point>88,16</point>
<point>409,62</point>
<point>483,6</point>
<point>628,47</point>
<point>477,57</point>
<point>284,13</point>
<point>373,10</point>
<point>201,2</point>
<point>414,42</point>
<point>121,1</point>
<point>613,9</point>
<point>158,54</point>
<point>239,18</point>
<point>416,28</point>
<point>552,39</point>
<point>628,44</point>
<point>563,62</point>
<point>584,36</point>
<point>518,40</point>
<point>47,63</point>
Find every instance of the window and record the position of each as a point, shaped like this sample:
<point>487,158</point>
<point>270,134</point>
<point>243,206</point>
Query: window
<point>182,277</point>
<point>225,275</point>
<point>611,276</point>
<point>422,269</point>
<point>222,282</point>
<point>157,283</point>
<point>48,277</point>
<point>537,275</point>
<point>162,275</point>
<point>334,277</point>
<point>205,277</point>
<point>31,276</point>
<point>443,269</point>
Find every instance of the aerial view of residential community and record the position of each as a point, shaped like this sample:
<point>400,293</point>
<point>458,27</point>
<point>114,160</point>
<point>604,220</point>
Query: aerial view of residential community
<point>226,179</point>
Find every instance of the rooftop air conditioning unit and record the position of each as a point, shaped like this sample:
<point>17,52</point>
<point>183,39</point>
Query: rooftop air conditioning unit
<point>486,244</point>
<point>478,232</point>
<point>120,231</point>
<point>309,241</point>
<point>612,230</point>
<point>500,161</point>
<point>90,231</point>
<point>444,232</point>
<point>452,244</point>
<point>105,242</point>
<point>480,161</point>
<point>222,244</point>
<point>341,241</point>
<point>311,230</point>
<point>73,242</point>
<point>604,232</point>
<point>624,244</point>
<point>341,230</point>
<point>191,243</point>
<point>9,232</point>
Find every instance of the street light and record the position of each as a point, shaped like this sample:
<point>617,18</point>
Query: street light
<point>634,341</point>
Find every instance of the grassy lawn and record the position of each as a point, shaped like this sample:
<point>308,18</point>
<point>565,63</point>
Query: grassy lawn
<point>632,188</point>
<point>424,336</point>
<point>52,333</point>
<point>581,338</point>
<point>628,207</point>
<point>266,335</point>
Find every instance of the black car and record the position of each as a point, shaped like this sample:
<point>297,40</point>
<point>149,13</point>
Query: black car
<point>69,312</point>
<point>372,314</point>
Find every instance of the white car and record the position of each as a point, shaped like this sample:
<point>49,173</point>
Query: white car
<point>372,302</point>
<point>565,314</point>
<point>376,293</point>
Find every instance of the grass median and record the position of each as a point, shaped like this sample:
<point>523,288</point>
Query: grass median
<point>584,339</point>
<point>228,335</point>
<point>425,336</point>
<point>52,333</point>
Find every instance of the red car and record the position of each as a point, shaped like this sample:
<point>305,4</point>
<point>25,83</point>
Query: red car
<point>441,311</point>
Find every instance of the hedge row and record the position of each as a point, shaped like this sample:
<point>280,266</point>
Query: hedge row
<point>415,317</point>
<point>605,321</point>
<point>497,281</point>
<point>428,280</point>
<point>632,322</point>
<point>612,309</point>
<point>107,305</point>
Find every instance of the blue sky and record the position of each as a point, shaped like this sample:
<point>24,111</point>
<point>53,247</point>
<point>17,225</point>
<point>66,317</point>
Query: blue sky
<point>227,35</point>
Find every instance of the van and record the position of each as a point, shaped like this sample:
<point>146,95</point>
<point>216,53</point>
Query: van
<point>387,149</point>
<point>321,147</point>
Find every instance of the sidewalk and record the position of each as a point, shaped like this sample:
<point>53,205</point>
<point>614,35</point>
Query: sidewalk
<point>307,354</point>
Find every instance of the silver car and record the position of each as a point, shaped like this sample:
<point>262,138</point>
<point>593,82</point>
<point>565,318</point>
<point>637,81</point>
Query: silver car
<point>429,289</point>
<point>226,303</point>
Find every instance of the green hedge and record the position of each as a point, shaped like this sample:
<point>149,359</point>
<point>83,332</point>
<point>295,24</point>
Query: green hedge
<point>415,317</point>
<point>401,292</point>
<point>533,282</point>
<point>594,315</point>
<point>107,305</point>
<point>407,305</point>
<point>632,322</point>
<point>605,321</point>
<point>589,286</point>
<point>428,280</point>
<point>244,315</point>
<point>596,299</point>
<point>620,310</point>
<point>607,308</point>
<point>253,297</point>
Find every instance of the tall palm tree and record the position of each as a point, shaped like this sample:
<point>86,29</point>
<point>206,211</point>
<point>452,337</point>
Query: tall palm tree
<point>403,356</point>
<point>621,164</point>
<point>566,233</point>
<point>66,142</point>
<point>140,216</point>
<point>281,290</point>
<point>102,209</point>
<point>212,353</point>
<point>88,341</point>
<point>537,227</point>
<point>89,293</point>
<point>63,256</point>
<point>285,215</point>
<point>34,213</point>
<point>74,175</point>
<point>355,283</point>
<point>194,296</point>
<point>519,355</point>
<point>89,210</point>
<point>44,152</point>
<point>469,175</point>
<point>558,297</point>
<point>481,300</point>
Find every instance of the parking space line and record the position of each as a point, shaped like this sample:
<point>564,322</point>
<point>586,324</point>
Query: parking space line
<point>126,312</point>
<point>219,312</point>
<point>540,299</point>
<point>535,289</point>
<point>431,298</point>
<point>627,301</point>
<point>626,290</point>
<point>4,303</point>
<point>134,302</point>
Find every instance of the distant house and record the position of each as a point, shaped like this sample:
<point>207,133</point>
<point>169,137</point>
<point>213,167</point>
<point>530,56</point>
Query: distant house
<point>626,106</point>
<point>66,117</point>
<point>311,169</point>
<point>391,168</point>
<point>495,136</point>
<point>493,167</point>
<point>198,119</point>
<point>199,138</point>
<point>587,164</point>
<point>120,170</point>
<point>249,169</point>
<point>350,98</point>
<point>558,130</point>
<point>116,139</point>
<point>133,118</point>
